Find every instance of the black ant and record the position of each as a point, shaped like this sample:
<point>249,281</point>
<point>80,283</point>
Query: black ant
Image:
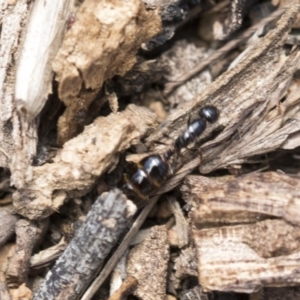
<point>151,172</point>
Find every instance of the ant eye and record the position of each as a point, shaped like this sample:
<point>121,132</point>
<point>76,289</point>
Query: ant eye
<point>209,113</point>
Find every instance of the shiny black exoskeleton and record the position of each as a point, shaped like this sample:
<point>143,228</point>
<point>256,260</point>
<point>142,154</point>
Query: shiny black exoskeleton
<point>153,170</point>
<point>195,128</point>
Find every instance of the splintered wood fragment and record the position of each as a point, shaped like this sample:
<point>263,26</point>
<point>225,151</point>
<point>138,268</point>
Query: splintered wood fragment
<point>196,293</point>
<point>244,199</point>
<point>7,228</point>
<point>248,257</point>
<point>222,51</point>
<point>248,97</point>
<point>4,293</point>
<point>181,227</point>
<point>102,43</point>
<point>127,287</point>
<point>82,159</point>
<point>28,235</point>
<point>185,265</point>
<point>115,258</point>
<point>46,257</point>
<point>93,241</point>
<point>148,263</point>
<point>22,292</point>
<point>180,59</point>
<point>43,37</point>
<point>18,138</point>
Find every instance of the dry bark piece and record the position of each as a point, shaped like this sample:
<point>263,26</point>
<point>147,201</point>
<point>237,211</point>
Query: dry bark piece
<point>29,235</point>
<point>93,241</point>
<point>43,37</point>
<point>82,159</point>
<point>194,293</point>
<point>239,8</point>
<point>115,258</point>
<point>246,96</point>
<point>244,199</point>
<point>181,226</point>
<point>185,265</point>
<point>148,262</point>
<point>180,59</point>
<point>127,287</point>
<point>119,274</point>
<point>22,292</point>
<point>101,43</point>
<point>142,75</point>
<point>4,293</point>
<point>7,228</point>
<point>17,136</point>
<point>173,13</point>
<point>46,257</point>
<point>229,258</point>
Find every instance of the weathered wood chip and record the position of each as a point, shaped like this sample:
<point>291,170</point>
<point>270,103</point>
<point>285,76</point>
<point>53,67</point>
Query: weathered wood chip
<point>81,161</point>
<point>7,228</point>
<point>246,258</point>
<point>244,199</point>
<point>102,43</point>
<point>148,262</point>
<point>29,234</point>
<point>85,254</point>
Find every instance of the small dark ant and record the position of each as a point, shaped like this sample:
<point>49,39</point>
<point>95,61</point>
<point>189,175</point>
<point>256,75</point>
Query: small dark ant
<point>151,172</point>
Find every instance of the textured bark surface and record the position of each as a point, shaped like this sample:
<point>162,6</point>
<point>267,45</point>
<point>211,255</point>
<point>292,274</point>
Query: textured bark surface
<point>44,33</point>
<point>82,159</point>
<point>75,268</point>
<point>249,104</point>
<point>7,228</point>
<point>233,233</point>
<point>246,258</point>
<point>17,135</point>
<point>29,234</point>
<point>96,48</point>
<point>147,262</point>
<point>244,199</point>
<point>4,294</point>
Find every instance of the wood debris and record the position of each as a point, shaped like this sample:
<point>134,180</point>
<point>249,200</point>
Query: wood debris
<point>249,108</point>
<point>76,267</point>
<point>147,262</point>
<point>22,292</point>
<point>4,294</point>
<point>29,234</point>
<point>43,38</point>
<point>244,199</point>
<point>46,257</point>
<point>181,223</point>
<point>280,293</point>
<point>7,229</point>
<point>128,286</point>
<point>233,228</point>
<point>95,49</point>
<point>81,161</point>
<point>229,261</point>
<point>17,135</point>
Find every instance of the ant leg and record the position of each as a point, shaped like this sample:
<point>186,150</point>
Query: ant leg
<point>189,120</point>
<point>160,143</point>
<point>163,143</point>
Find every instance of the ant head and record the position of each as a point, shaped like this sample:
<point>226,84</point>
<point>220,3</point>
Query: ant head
<point>209,113</point>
